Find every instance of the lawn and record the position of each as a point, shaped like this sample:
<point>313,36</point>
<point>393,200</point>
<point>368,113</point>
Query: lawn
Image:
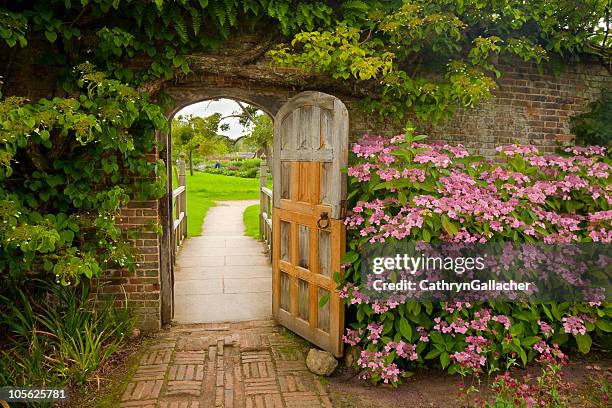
<point>251,221</point>
<point>204,189</point>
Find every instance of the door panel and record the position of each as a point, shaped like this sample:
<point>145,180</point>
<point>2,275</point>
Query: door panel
<point>310,151</point>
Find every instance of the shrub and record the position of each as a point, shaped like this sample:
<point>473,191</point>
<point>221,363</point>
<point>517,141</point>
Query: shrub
<point>247,168</point>
<point>403,189</point>
<point>57,336</point>
<point>593,127</point>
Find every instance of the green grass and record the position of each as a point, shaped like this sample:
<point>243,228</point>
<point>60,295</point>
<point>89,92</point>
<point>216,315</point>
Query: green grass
<point>251,221</point>
<point>204,189</point>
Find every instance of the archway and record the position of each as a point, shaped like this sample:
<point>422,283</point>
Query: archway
<point>310,150</point>
<point>206,279</point>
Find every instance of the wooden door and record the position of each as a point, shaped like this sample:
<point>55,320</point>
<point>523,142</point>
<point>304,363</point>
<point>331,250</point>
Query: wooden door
<point>310,152</point>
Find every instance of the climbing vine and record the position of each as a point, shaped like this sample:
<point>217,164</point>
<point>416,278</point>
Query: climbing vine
<point>430,57</point>
<point>70,162</point>
<point>67,166</point>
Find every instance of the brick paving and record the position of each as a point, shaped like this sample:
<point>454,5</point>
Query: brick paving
<point>254,364</point>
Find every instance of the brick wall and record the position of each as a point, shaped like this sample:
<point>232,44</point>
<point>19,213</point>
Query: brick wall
<point>529,107</point>
<point>141,288</point>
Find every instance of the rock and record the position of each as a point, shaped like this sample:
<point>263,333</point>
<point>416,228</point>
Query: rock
<point>321,362</point>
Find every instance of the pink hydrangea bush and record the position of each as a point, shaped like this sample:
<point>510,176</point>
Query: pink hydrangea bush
<point>403,189</point>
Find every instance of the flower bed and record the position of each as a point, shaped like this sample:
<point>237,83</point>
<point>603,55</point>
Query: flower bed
<point>403,189</point>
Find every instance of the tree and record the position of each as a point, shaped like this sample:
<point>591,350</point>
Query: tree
<point>199,134</point>
<point>260,137</point>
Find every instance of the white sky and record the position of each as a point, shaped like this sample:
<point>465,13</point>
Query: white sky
<point>225,107</point>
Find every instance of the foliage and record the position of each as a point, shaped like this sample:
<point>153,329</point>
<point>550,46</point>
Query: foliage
<point>403,189</point>
<point>593,127</point>
<point>260,137</point>
<point>546,390</point>
<point>432,56</point>
<point>251,221</point>
<point>247,168</point>
<point>199,134</point>
<point>160,36</point>
<point>60,185</point>
<point>60,338</point>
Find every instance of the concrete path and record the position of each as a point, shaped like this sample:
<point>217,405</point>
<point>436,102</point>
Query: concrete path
<point>250,364</point>
<point>223,276</point>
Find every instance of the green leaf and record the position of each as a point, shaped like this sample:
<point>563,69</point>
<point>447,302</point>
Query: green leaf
<point>584,342</point>
<point>529,341</point>
<point>523,355</point>
<point>432,354</point>
<point>51,36</point>
<point>405,329</point>
<point>67,236</point>
<point>448,226</point>
<point>517,329</point>
<point>350,257</point>
<point>603,325</point>
<point>445,359</point>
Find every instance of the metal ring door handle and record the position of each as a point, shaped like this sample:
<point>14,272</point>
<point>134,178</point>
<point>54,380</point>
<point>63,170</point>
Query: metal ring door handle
<point>324,218</point>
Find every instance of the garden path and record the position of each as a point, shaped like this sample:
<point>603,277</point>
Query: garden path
<point>223,275</point>
<point>236,356</point>
<point>247,364</point>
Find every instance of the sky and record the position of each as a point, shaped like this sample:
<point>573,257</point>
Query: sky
<point>225,107</point>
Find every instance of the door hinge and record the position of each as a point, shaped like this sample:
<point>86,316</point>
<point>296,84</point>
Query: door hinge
<point>343,210</point>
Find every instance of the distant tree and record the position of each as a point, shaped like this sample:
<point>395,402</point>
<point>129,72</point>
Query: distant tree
<point>260,137</point>
<point>200,135</point>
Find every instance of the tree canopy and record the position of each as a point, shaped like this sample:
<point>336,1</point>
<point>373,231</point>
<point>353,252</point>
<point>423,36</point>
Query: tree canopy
<point>261,135</point>
<point>199,134</point>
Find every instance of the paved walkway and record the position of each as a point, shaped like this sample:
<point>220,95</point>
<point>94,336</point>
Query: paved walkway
<point>250,364</point>
<point>223,276</point>
<point>248,361</point>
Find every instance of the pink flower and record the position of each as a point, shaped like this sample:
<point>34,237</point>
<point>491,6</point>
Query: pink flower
<point>375,332</point>
<point>423,336</point>
<point>469,359</point>
<point>586,151</point>
<point>390,373</point>
<point>460,326</point>
<point>437,159</point>
<point>352,337</point>
<point>514,149</point>
<point>573,325</point>
<point>546,329</point>
<point>503,320</point>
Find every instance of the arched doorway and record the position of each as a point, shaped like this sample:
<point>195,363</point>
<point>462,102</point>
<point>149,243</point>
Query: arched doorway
<point>310,152</point>
<point>220,273</point>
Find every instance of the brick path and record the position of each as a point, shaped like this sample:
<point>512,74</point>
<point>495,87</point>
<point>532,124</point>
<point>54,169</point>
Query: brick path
<point>254,364</point>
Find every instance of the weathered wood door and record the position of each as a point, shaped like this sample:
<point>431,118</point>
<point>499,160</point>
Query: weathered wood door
<point>310,152</point>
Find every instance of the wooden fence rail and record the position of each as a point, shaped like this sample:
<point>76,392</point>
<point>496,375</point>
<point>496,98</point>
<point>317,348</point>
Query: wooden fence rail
<point>265,207</point>
<point>179,206</point>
